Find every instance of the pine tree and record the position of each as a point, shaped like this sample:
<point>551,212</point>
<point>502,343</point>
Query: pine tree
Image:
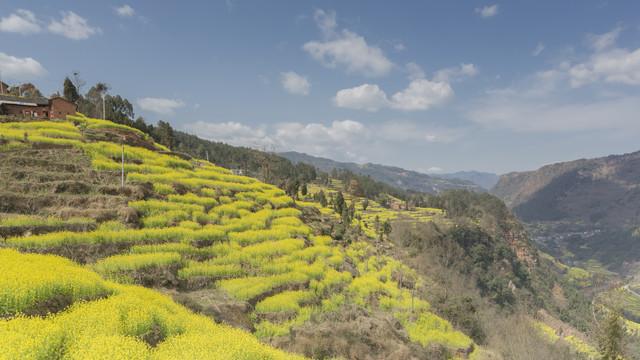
<point>69,91</point>
<point>611,337</point>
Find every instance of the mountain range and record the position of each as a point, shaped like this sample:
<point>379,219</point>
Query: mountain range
<point>399,177</point>
<point>590,205</point>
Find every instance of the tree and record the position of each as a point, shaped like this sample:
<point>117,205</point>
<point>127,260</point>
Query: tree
<point>385,229</point>
<point>78,82</point>
<point>321,198</point>
<point>29,90</point>
<point>339,204</point>
<point>163,133</point>
<point>354,188</point>
<point>292,188</point>
<point>303,189</point>
<point>365,204</point>
<point>69,91</point>
<point>119,110</point>
<point>610,339</point>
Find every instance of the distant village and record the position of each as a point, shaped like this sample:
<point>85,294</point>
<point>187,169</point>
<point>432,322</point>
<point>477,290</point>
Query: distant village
<point>37,107</point>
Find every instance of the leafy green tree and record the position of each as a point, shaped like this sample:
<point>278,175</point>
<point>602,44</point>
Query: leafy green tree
<point>320,197</point>
<point>119,110</point>
<point>292,188</point>
<point>365,204</point>
<point>30,91</point>
<point>69,91</point>
<point>303,189</point>
<point>163,133</point>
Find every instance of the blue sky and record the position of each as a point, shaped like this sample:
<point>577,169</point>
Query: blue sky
<point>432,86</point>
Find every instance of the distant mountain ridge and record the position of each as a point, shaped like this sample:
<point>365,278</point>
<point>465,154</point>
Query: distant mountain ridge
<point>395,176</point>
<point>484,179</point>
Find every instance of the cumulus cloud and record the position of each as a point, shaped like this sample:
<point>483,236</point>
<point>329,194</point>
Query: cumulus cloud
<point>22,22</point>
<point>20,68</point>
<point>72,26</point>
<point>346,48</point>
<point>421,94</point>
<point>125,11</point>
<point>487,11</point>
<point>160,105</point>
<point>456,74</point>
<point>364,97</point>
<point>295,83</point>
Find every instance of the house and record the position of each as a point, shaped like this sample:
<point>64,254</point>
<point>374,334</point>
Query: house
<point>42,108</point>
<point>4,88</point>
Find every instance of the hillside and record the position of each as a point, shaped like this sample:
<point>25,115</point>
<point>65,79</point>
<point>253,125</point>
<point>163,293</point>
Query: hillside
<point>580,210</point>
<point>184,251</point>
<point>394,176</point>
<point>233,251</point>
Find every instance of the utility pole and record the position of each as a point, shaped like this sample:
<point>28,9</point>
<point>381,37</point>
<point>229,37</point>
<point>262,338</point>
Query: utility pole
<point>122,165</point>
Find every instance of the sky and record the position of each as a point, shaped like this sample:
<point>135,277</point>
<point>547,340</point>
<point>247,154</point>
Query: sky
<point>430,86</point>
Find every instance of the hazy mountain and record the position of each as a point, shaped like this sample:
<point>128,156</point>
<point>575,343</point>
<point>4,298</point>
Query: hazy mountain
<point>484,179</point>
<point>395,176</point>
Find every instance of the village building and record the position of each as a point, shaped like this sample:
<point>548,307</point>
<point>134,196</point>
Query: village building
<point>4,88</point>
<point>41,108</point>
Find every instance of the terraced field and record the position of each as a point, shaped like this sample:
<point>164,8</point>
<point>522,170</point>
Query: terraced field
<point>78,251</point>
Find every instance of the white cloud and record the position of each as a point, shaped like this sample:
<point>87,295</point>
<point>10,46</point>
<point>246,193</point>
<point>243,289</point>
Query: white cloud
<point>398,47</point>
<point>295,84</point>
<point>22,22</point>
<point>346,48</point>
<point>314,138</point>
<point>20,69</point>
<point>538,49</point>
<point>72,26</point>
<point>434,169</point>
<point>332,140</point>
<point>230,132</point>
<point>608,63</point>
<point>619,66</point>
<point>160,105</point>
<point>456,74</point>
<point>327,23</point>
<point>600,42</point>
<point>125,11</point>
<point>421,94</point>
<point>364,97</point>
<point>487,11</point>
